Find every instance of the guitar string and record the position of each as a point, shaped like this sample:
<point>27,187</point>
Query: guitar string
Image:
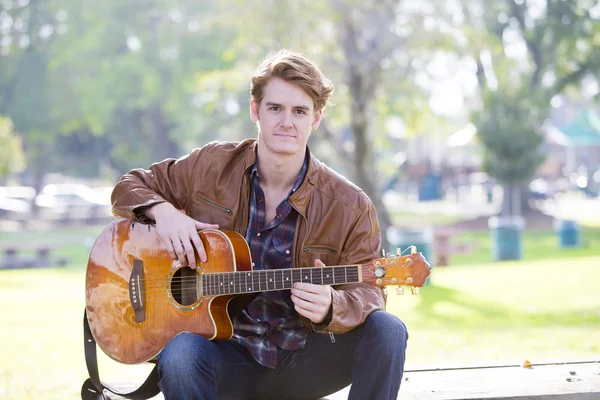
<point>152,283</point>
<point>255,272</point>
<point>217,290</point>
<point>161,282</point>
<point>216,284</point>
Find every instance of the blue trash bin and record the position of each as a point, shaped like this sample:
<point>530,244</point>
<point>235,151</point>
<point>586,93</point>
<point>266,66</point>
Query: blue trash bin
<point>567,232</point>
<point>403,238</point>
<point>507,237</point>
<point>430,187</point>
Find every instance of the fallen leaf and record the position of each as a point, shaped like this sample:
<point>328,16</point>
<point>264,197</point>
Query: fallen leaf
<point>527,364</point>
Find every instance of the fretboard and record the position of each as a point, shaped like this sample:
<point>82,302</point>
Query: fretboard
<point>276,279</point>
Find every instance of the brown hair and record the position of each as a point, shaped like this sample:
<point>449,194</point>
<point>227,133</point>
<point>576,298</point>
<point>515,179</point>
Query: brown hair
<point>295,68</point>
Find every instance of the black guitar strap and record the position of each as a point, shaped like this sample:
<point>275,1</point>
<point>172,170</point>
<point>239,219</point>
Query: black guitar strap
<point>94,389</point>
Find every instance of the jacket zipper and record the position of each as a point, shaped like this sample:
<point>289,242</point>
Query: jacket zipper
<point>210,203</point>
<point>331,337</point>
<point>319,248</point>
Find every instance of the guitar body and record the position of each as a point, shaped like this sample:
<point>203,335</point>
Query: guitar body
<point>138,298</point>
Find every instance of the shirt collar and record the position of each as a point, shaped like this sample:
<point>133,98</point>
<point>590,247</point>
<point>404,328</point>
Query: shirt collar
<point>299,180</point>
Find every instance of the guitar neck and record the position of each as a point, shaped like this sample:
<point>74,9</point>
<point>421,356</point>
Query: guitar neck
<point>277,279</point>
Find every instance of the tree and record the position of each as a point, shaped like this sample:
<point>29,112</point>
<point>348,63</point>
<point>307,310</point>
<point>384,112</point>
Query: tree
<point>12,158</point>
<point>526,53</point>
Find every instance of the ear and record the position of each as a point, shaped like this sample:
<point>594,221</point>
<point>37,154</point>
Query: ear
<point>317,120</point>
<point>253,111</point>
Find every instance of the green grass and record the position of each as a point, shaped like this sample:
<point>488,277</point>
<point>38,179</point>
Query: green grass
<point>537,245</point>
<point>479,313</point>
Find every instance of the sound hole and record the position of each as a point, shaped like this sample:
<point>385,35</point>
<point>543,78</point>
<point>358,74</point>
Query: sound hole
<point>184,286</point>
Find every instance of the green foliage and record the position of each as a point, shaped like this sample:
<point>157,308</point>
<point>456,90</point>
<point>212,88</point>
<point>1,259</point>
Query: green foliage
<point>12,157</point>
<point>508,130</point>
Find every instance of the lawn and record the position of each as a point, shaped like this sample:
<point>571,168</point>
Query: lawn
<point>479,313</point>
<point>537,245</point>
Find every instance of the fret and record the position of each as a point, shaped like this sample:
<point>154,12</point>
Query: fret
<point>237,279</point>
<point>296,275</point>
<point>327,275</point>
<point>255,282</point>
<point>319,273</point>
<point>211,288</point>
<point>338,277</point>
<point>287,278</point>
<point>279,279</point>
<point>270,279</point>
<point>262,275</point>
<point>205,289</point>
<point>247,282</point>
<point>311,275</point>
<point>306,275</point>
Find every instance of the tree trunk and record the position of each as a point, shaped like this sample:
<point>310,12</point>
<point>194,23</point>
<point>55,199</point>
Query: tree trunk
<point>165,147</point>
<point>364,169</point>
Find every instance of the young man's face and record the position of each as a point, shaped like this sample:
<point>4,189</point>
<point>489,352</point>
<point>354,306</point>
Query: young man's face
<point>285,116</point>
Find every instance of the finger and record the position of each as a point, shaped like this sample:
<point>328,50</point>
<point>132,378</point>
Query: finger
<point>170,249</point>
<point>199,247</point>
<point>189,252</point>
<point>306,313</point>
<point>311,288</point>
<point>314,314</point>
<point>305,305</point>
<point>307,296</point>
<point>202,225</point>
<point>319,263</point>
<point>178,248</point>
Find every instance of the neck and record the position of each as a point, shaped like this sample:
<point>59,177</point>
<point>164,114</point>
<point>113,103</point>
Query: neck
<point>279,172</point>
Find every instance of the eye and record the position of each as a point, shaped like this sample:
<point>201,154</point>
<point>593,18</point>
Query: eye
<point>301,112</point>
<point>274,108</point>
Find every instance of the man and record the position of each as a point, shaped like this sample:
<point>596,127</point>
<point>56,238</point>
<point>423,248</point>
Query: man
<point>294,211</point>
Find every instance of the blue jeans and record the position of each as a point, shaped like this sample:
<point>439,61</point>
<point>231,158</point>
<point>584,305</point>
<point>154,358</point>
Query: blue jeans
<point>370,357</point>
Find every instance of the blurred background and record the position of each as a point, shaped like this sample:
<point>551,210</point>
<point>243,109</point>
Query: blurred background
<point>473,125</point>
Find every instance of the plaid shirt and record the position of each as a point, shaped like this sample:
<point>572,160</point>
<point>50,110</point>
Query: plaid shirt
<point>270,322</point>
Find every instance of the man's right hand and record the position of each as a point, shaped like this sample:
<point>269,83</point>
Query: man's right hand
<point>179,233</point>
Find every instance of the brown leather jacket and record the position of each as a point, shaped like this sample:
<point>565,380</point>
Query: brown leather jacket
<point>337,222</point>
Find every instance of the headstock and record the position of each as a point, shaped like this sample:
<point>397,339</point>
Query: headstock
<point>410,270</point>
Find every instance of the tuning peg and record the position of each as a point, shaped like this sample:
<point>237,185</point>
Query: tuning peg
<point>414,290</point>
<point>400,290</point>
<point>398,252</point>
<point>385,291</point>
<point>383,253</point>
<point>413,249</point>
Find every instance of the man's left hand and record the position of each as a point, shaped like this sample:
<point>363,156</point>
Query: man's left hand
<point>312,301</point>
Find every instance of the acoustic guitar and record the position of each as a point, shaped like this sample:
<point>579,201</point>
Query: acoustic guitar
<point>138,298</point>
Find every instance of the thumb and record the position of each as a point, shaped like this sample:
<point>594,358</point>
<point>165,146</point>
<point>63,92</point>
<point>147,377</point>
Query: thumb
<point>319,263</point>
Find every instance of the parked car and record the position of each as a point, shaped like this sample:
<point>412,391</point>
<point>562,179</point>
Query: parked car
<point>15,201</point>
<point>73,200</point>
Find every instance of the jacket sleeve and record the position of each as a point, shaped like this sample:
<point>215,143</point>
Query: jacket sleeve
<point>169,180</point>
<point>352,303</point>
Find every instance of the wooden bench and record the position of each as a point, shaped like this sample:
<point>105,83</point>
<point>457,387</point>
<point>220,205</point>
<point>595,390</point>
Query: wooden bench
<point>28,256</point>
<point>577,380</point>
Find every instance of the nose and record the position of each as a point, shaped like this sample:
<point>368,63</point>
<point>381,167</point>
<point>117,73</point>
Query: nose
<point>286,120</point>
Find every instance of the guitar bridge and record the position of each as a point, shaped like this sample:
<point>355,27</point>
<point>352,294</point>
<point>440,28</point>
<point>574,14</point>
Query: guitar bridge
<point>136,290</point>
